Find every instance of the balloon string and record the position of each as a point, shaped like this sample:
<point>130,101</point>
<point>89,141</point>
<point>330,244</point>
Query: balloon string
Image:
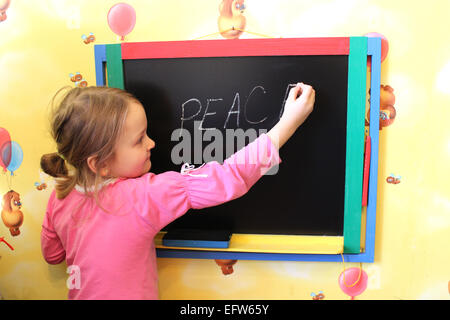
<point>343,273</point>
<point>8,179</point>
<point>2,239</point>
<point>233,28</point>
<point>254,33</point>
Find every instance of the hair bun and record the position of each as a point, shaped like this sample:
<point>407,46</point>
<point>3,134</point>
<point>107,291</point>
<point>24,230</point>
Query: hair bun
<point>53,164</point>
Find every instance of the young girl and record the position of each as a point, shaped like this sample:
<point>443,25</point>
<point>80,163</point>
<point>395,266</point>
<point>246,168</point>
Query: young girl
<point>107,207</point>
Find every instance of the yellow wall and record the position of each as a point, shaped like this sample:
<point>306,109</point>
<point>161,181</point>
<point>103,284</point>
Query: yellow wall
<point>40,44</point>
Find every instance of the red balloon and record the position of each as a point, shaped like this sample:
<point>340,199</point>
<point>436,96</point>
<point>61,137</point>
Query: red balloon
<point>353,281</point>
<point>121,19</point>
<point>5,148</point>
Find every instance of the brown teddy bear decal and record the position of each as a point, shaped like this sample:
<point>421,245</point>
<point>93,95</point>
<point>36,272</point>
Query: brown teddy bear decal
<point>387,109</point>
<point>11,215</point>
<point>231,20</point>
<point>226,265</point>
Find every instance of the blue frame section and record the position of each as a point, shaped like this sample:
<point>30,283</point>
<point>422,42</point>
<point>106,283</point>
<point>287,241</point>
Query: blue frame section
<point>196,244</point>
<point>374,49</point>
<point>368,256</point>
<point>100,58</point>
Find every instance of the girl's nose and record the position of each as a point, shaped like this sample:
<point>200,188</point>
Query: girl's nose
<point>152,144</point>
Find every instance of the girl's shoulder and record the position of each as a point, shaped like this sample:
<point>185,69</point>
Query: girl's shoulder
<point>149,179</point>
<point>169,184</point>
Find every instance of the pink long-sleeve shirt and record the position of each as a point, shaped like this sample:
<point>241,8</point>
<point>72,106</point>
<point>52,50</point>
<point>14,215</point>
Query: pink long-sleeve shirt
<point>112,254</point>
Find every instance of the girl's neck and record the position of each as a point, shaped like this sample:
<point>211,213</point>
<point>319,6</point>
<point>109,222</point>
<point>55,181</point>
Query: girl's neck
<point>91,187</point>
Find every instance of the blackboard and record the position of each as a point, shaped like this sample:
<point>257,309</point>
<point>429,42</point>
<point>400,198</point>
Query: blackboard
<point>317,189</point>
<point>306,195</point>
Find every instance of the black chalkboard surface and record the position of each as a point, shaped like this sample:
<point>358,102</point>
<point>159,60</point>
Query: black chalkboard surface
<point>306,195</point>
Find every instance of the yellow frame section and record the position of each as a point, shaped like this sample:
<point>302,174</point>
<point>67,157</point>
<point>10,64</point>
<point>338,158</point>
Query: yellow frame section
<point>269,243</point>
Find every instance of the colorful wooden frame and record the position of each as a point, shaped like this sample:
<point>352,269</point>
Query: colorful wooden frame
<point>109,71</point>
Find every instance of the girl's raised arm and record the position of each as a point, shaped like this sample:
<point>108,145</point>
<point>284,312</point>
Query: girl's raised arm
<point>298,106</point>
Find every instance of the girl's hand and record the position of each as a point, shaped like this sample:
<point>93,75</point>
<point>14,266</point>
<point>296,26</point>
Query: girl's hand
<point>299,105</point>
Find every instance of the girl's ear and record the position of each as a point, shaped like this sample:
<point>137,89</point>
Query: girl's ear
<point>92,164</point>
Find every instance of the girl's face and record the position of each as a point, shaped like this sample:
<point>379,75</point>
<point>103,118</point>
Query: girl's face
<point>132,152</point>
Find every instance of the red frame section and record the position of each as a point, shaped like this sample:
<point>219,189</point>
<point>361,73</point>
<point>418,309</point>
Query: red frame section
<point>230,48</point>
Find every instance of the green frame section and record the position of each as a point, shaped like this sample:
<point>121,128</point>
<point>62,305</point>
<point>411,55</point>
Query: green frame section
<point>354,163</point>
<point>114,66</point>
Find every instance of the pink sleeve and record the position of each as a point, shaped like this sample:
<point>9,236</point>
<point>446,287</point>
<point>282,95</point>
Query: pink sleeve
<point>171,194</point>
<point>51,246</point>
<point>165,198</point>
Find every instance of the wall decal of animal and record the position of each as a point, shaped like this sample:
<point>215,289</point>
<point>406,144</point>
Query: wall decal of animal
<point>231,20</point>
<point>12,217</point>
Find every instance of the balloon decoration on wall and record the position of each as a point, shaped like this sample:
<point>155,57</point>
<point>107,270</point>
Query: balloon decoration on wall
<point>231,20</point>
<point>11,154</point>
<point>121,19</point>
<point>384,43</point>
<point>384,47</point>
<point>5,144</point>
<point>353,282</point>
<point>4,5</point>
<point>16,155</point>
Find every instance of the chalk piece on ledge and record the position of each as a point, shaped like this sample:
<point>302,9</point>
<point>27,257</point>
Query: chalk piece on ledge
<point>192,238</point>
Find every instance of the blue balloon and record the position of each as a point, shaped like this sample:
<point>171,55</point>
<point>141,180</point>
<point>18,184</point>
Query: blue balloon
<point>16,156</point>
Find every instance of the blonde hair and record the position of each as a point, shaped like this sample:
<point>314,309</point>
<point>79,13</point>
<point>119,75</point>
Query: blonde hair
<point>87,122</point>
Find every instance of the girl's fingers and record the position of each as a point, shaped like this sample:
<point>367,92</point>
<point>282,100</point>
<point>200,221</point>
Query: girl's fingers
<point>294,92</point>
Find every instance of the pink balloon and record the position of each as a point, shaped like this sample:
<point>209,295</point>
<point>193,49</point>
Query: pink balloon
<point>384,43</point>
<point>121,19</point>
<point>4,5</point>
<point>5,147</point>
<point>351,288</point>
